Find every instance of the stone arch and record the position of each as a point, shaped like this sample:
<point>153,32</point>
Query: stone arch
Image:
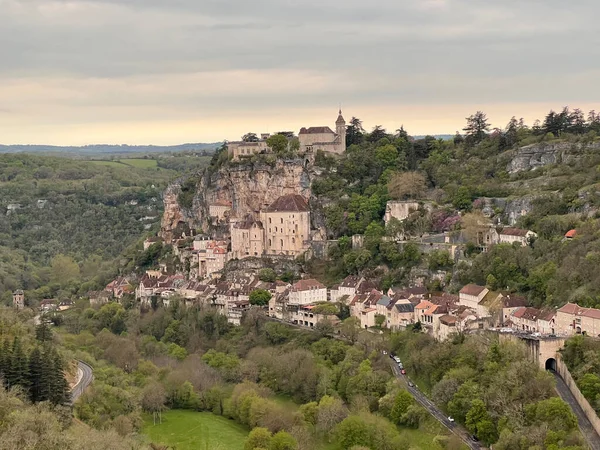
<point>551,364</point>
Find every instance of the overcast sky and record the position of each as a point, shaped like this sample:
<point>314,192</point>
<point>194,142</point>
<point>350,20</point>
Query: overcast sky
<point>173,71</point>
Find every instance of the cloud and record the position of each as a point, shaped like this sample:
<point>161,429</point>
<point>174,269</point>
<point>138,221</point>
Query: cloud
<point>136,62</point>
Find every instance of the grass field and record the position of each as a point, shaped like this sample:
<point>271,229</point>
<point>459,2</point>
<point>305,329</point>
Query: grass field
<point>190,430</point>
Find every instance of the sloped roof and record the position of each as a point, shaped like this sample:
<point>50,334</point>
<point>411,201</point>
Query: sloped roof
<point>472,289</point>
<point>248,223</point>
<point>404,307</point>
<point>305,285</point>
<point>384,301</point>
<point>315,130</point>
<point>448,320</point>
<point>569,308</point>
<point>512,301</point>
<point>571,234</point>
<point>350,281</point>
<point>291,203</point>
<point>514,232</point>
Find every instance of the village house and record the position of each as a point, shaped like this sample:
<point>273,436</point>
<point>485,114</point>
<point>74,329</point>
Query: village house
<point>119,287</point>
<point>361,302</point>
<point>573,319</point>
<point>447,327</point>
<point>510,235</point>
<point>323,138</point>
<point>286,225</point>
<point>236,311</point>
<point>480,299</point>
<point>525,319</point>
<point>48,305</point>
<point>241,149</point>
<point>219,209</point>
<point>247,238</point>
<point>510,303</point>
<point>307,316</point>
<point>99,297</point>
<point>403,313</point>
<point>18,299</point>
<point>305,292</point>
<point>211,260</point>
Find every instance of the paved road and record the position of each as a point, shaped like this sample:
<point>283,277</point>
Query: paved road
<point>434,411</point>
<point>585,426</point>
<point>85,381</point>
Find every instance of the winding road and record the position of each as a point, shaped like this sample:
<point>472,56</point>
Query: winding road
<point>85,380</point>
<point>434,410</point>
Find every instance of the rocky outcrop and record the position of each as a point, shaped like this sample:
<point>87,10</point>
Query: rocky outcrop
<point>248,186</point>
<point>534,156</point>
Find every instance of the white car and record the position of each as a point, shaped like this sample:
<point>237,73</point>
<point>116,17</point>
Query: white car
<point>536,334</point>
<point>450,419</point>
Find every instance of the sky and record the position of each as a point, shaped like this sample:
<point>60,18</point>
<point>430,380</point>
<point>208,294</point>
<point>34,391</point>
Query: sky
<point>75,72</point>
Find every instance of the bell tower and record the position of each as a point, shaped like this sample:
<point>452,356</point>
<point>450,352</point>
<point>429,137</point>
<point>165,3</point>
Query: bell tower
<point>340,129</point>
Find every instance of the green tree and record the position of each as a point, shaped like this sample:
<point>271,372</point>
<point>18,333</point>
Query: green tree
<point>477,128</point>
<point>63,269</point>
<point>407,186</point>
<point>278,143</point>
<point>43,332</point>
<point>260,297</point>
<point>402,402</point>
<point>267,275</point>
<point>283,441</point>
<point>36,375</point>
<point>258,438</point>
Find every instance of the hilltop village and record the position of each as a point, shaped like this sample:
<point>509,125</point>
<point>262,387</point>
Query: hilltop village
<point>228,263</point>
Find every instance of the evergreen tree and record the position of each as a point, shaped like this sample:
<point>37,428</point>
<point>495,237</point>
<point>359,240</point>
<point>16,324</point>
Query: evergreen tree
<point>59,388</point>
<point>17,373</point>
<point>5,358</point>
<point>477,128</point>
<point>46,371</point>
<point>354,132</point>
<point>43,332</point>
<point>36,378</point>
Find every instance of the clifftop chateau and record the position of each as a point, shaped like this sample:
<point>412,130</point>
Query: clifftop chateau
<point>311,139</point>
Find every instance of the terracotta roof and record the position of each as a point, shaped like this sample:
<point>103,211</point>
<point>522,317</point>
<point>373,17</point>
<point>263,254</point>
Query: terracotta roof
<point>591,312</point>
<point>306,285</point>
<point>571,234</point>
<point>547,315</point>
<point>315,130</point>
<point>570,308</point>
<point>514,232</point>
<point>368,310</point>
<point>527,313</point>
<point>425,304</point>
<point>472,289</point>
<point>366,286</point>
<point>448,320</point>
<point>221,203</point>
<point>291,203</point>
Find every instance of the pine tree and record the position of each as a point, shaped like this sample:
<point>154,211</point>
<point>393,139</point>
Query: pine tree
<point>59,388</point>
<point>46,371</point>
<point>5,357</point>
<point>43,332</point>
<point>17,373</point>
<point>36,378</point>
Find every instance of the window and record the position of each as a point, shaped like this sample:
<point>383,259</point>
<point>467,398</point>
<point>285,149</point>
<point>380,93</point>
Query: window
<point>275,229</point>
<point>293,241</point>
<point>281,242</point>
<point>269,220</point>
<point>282,220</point>
<point>269,242</point>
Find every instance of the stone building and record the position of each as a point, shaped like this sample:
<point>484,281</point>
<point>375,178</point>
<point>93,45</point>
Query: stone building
<point>306,292</point>
<point>240,149</point>
<point>247,238</point>
<point>19,299</point>
<point>324,138</point>
<point>219,209</point>
<point>211,260</point>
<point>286,225</point>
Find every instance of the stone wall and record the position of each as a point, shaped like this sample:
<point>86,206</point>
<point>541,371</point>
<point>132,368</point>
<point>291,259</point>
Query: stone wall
<point>563,371</point>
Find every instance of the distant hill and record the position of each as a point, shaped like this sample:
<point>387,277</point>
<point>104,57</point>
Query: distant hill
<point>104,149</point>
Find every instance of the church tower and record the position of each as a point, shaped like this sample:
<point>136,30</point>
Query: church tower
<point>340,129</point>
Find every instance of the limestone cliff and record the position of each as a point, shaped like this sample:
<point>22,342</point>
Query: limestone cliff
<point>249,186</point>
<point>534,156</point>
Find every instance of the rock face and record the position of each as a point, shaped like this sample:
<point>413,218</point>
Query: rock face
<point>534,156</point>
<point>249,187</point>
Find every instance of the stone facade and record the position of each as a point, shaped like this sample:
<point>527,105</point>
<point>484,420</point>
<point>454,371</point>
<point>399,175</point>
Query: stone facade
<point>306,292</point>
<point>324,138</point>
<point>19,299</point>
<point>247,238</point>
<point>219,209</point>
<point>399,210</point>
<point>573,319</point>
<point>241,149</point>
<point>287,226</point>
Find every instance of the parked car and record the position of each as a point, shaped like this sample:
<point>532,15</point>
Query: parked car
<point>411,384</point>
<point>474,438</point>
<point>536,334</point>
<point>450,419</point>
<point>392,356</point>
<point>401,365</point>
<point>403,372</point>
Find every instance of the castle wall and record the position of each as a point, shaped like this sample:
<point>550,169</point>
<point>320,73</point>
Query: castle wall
<point>286,232</point>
